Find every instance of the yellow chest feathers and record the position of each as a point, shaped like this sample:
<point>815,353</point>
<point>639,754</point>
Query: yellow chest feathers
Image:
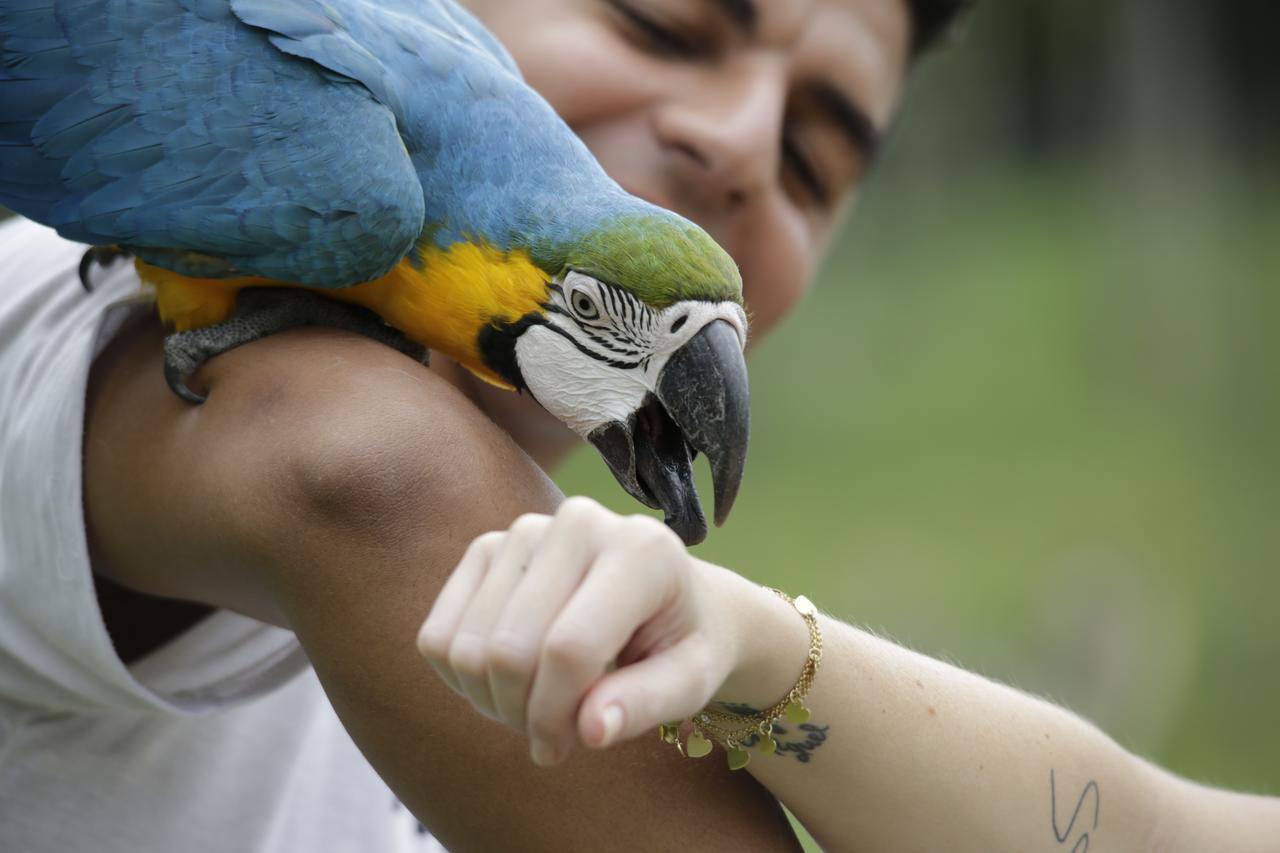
<point>443,304</point>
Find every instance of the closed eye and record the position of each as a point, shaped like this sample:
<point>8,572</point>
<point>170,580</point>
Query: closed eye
<point>802,169</point>
<point>658,37</point>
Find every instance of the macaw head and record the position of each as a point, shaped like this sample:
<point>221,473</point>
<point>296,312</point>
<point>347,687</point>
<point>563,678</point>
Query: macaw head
<point>639,349</point>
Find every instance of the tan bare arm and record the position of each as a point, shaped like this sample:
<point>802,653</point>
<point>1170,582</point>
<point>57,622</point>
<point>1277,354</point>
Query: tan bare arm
<point>330,485</point>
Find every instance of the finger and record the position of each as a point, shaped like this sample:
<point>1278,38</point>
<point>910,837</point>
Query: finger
<point>553,574</point>
<point>672,685</point>
<point>469,651</point>
<point>437,631</point>
<point>624,590</point>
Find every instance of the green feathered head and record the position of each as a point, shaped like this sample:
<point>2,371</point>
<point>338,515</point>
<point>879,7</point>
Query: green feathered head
<point>662,258</point>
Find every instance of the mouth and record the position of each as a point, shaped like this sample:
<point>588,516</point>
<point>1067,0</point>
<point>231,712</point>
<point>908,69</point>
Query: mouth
<point>664,470</point>
<point>650,458</point>
<point>701,405</point>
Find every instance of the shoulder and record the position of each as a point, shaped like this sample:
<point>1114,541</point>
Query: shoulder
<point>319,400</point>
<point>305,430</point>
<point>29,243</point>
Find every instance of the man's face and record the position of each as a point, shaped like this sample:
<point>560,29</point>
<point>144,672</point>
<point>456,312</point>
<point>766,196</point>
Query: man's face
<point>754,118</point>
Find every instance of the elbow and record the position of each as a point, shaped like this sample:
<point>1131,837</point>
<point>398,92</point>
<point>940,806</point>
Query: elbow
<point>408,461</point>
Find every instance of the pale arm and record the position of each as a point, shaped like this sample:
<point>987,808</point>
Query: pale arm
<point>921,755</point>
<point>902,752</point>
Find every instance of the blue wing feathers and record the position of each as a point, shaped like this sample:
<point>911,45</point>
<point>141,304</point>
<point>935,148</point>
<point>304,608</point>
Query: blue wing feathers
<point>296,19</point>
<point>34,21</point>
<point>172,127</point>
<point>26,100</point>
<point>73,123</point>
<point>303,29</point>
<point>296,139</point>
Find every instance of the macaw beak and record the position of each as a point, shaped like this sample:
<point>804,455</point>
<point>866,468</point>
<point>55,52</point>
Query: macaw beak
<point>701,405</point>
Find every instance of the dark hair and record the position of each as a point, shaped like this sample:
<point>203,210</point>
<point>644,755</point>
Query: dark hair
<point>932,20</point>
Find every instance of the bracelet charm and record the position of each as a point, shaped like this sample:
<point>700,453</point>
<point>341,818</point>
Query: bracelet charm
<point>697,746</point>
<point>732,731</point>
<point>738,758</point>
<point>796,712</point>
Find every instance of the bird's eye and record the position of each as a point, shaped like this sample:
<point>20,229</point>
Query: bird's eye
<point>679,323</point>
<point>584,306</point>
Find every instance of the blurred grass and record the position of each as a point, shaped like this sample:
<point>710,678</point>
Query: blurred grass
<point>1032,428</point>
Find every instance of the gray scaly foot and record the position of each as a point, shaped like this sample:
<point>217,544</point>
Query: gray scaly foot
<point>261,311</point>
<point>103,256</point>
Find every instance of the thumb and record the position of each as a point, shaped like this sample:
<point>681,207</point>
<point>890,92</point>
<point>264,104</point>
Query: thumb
<point>632,700</point>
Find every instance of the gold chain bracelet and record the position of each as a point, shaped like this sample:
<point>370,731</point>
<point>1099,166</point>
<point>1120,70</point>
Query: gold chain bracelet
<point>735,732</point>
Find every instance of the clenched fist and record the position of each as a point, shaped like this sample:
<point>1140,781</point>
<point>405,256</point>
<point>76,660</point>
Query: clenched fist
<point>583,626</point>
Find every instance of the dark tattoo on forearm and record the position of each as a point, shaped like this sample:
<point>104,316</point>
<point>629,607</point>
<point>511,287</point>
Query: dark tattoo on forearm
<point>800,744</point>
<point>814,737</point>
<point>1064,834</point>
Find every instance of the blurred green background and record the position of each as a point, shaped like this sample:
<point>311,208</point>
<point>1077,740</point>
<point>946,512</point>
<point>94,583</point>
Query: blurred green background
<point>1027,420</point>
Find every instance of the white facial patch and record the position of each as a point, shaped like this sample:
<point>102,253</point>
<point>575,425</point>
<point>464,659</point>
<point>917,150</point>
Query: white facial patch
<point>582,391</point>
<point>603,349</point>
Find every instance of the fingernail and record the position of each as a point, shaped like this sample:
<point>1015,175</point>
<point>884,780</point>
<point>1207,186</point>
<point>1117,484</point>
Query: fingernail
<point>611,719</point>
<point>542,753</point>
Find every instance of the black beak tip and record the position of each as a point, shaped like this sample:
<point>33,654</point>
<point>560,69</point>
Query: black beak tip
<point>723,505</point>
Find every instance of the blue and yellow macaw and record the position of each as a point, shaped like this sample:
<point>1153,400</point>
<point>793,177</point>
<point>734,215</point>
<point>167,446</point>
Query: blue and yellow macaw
<point>253,153</point>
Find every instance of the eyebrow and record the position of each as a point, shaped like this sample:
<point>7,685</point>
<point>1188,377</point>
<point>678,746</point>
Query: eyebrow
<point>743,13</point>
<point>851,119</point>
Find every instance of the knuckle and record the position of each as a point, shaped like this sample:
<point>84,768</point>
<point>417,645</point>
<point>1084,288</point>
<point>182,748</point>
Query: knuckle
<point>434,644</point>
<point>486,544</point>
<point>509,654</point>
<point>569,649</point>
<point>467,656</point>
<point>527,526</point>
<point>579,510</point>
<point>647,532</point>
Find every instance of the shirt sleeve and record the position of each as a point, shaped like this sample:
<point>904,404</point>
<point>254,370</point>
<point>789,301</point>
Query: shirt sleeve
<point>55,652</point>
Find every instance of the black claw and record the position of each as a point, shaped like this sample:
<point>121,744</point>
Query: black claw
<point>86,261</point>
<point>102,256</point>
<point>178,384</point>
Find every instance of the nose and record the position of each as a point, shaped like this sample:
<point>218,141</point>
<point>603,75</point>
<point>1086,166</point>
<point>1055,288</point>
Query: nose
<point>723,132</point>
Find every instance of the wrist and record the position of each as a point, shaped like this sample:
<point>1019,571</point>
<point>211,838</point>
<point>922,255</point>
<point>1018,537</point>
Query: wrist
<point>769,642</point>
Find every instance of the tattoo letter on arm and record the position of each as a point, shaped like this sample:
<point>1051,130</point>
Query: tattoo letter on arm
<point>1062,835</point>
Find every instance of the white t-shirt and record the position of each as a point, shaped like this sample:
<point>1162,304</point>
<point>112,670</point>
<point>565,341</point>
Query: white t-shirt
<point>221,740</point>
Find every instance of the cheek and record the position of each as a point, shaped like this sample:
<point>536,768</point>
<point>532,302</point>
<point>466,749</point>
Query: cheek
<point>581,68</point>
<point>777,254</point>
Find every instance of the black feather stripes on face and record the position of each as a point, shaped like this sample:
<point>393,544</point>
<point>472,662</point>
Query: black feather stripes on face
<point>496,343</point>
